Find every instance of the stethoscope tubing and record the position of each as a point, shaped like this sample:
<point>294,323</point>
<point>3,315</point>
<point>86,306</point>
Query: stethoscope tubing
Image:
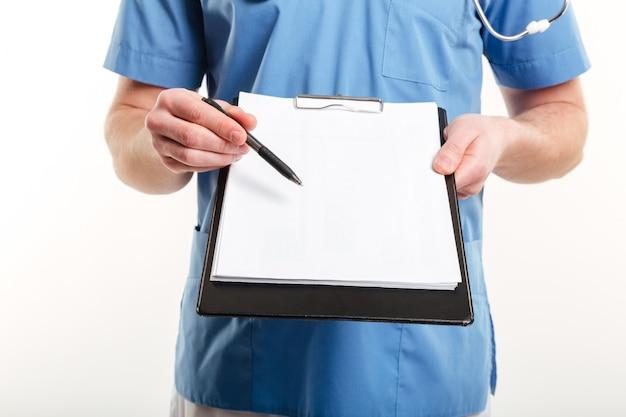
<point>543,24</point>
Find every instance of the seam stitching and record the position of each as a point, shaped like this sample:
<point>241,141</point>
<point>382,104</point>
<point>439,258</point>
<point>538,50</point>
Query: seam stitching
<point>533,60</point>
<point>251,362</point>
<point>125,47</point>
<point>398,366</point>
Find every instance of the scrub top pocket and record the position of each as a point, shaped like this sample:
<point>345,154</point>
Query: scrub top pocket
<point>420,39</point>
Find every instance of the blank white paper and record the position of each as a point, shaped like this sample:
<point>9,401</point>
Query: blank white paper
<point>371,211</point>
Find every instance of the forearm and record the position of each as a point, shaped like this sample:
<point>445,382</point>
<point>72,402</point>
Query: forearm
<point>542,142</point>
<point>135,160</point>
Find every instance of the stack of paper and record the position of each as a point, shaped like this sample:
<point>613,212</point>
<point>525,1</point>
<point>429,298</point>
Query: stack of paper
<point>371,211</point>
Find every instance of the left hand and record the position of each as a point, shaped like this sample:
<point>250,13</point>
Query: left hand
<point>474,144</point>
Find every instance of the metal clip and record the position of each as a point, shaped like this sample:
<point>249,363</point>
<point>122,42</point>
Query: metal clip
<point>347,103</point>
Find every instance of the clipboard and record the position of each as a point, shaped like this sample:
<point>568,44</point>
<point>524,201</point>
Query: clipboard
<point>317,301</point>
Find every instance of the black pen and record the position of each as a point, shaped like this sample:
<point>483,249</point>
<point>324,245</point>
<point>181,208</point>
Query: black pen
<point>265,153</point>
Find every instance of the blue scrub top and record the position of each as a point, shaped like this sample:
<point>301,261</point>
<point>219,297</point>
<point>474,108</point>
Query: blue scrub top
<point>400,51</point>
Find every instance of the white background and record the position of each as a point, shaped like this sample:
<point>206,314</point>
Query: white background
<point>91,271</point>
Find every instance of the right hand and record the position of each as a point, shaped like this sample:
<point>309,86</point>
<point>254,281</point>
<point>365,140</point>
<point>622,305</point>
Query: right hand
<point>191,136</point>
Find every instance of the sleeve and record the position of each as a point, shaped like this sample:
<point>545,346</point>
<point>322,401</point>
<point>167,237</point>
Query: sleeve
<point>159,42</point>
<point>536,61</point>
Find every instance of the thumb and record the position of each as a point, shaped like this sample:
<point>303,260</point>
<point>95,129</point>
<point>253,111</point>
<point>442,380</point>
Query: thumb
<point>451,153</point>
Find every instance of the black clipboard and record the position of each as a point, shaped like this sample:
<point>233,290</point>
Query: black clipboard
<point>452,307</point>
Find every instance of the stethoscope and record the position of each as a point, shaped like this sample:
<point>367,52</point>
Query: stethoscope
<point>531,29</point>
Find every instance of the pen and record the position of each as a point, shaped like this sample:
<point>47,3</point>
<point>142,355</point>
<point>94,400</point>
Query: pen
<point>265,153</point>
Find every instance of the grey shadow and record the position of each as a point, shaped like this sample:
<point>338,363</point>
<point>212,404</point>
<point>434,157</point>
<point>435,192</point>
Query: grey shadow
<point>262,188</point>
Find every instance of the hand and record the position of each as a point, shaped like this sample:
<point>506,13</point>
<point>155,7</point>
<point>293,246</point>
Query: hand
<point>191,136</point>
<point>473,147</point>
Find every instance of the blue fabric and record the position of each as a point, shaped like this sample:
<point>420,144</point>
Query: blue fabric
<point>401,51</point>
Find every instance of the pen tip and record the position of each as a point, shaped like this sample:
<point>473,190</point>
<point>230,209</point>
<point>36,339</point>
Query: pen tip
<point>297,180</point>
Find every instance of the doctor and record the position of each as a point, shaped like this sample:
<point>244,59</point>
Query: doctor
<point>160,133</point>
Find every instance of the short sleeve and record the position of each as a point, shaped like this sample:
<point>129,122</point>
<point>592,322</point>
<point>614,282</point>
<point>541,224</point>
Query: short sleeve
<point>159,42</point>
<point>540,60</point>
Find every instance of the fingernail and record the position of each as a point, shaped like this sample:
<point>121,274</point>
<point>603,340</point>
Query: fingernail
<point>238,157</point>
<point>443,163</point>
<point>243,149</point>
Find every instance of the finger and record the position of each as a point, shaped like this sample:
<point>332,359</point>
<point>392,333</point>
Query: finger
<point>459,135</point>
<point>475,167</point>
<point>195,136</point>
<point>247,120</point>
<point>464,196</point>
<point>471,171</point>
<point>192,157</point>
<point>470,190</point>
<point>194,110</point>
<point>179,167</point>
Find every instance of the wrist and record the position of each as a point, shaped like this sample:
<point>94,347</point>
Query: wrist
<point>510,133</point>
